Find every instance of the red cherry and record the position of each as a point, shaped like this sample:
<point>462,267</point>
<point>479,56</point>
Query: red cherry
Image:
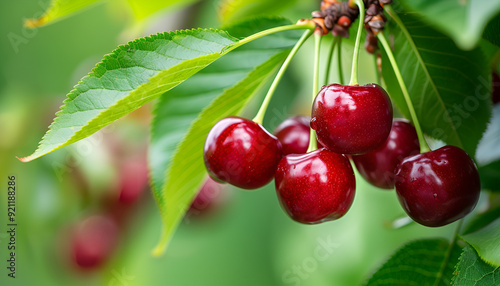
<point>294,133</point>
<point>438,187</point>
<point>210,196</point>
<point>352,119</point>
<point>378,166</point>
<point>133,180</point>
<point>94,240</point>
<point>242,153</point>
<point>315,187</point>
<point>495,93</point>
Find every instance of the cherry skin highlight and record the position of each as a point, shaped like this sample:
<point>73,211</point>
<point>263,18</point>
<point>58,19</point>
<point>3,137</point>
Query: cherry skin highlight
<point>438,187</point>
<point>242,153</point>
<point>352,119</point>
<point>315,187</point>
<point>294,134</point>
<point>378,167</point>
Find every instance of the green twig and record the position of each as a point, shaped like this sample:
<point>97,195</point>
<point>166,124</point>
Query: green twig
<point>317,45</point>
<point>329,60</point>
<point>361,19</point>
<point>339,62</point>
<point>375,65</point>
<point>447,255</point>
<point>308,25</point>
<point>262,111</point>
<point>423,144</point>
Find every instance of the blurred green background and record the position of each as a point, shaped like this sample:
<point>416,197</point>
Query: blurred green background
<point>248,240</point>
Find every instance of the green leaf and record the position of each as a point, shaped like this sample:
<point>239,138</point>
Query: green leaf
<point>488,154</point>
<point>450,88</point>
<point>490,176</point>
<point>471,270</point>
<point>482,220</point>
<point>142,9</point>
<point>58,10</point>
<point>487,150</point>
<point>126,79</point>
<point>421,262</point>
<point>492,31</point>
<point>176,110</point>
<point>230,10</point>
<point>486,241</point>
<point>464,21</point>
<point>177,166</point>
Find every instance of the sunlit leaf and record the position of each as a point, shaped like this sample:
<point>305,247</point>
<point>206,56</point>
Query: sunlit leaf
<point>144,8</point>
<point>463,20</point>
<point>229,10</point>
<point>486,241</point>
<point>126,79</point>
<point>58,10</point>
<point>421,262</point>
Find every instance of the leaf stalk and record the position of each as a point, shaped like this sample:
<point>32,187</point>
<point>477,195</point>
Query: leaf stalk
<point>262,110</point>
<point>424,147</point>
<point>317,45</point>
<point>354,70</point>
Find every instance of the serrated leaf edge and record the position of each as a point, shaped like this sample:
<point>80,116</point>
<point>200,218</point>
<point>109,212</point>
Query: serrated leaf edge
<point>74,93</point>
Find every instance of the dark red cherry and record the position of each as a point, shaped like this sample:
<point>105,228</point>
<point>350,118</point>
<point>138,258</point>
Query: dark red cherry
<point>315,187</point>
<point>495,93</point>
<point>378,166</point>
<point>94,240</point>
<point>133,180</point>
<point>294,133</point>
<point>211,195</point>
<point>438,187</point>
<point>352,119</point>
<point>241,152</point>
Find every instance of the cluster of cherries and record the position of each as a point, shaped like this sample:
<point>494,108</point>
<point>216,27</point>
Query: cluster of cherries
<point>94,239</point>
<point>355,122</point>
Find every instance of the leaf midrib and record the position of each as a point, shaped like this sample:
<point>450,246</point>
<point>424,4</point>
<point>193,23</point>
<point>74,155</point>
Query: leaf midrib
<point>424,67</point>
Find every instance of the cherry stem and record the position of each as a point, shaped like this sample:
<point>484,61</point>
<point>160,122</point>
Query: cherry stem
<point>339,62</point>
<point>377,73</point>
<point>361,19</point>
<point>262,111</point>
<point>448,251</point>
<point>421,139</point>
<point>309,25</point>
<point>329,59</point>
<point>317,45</point>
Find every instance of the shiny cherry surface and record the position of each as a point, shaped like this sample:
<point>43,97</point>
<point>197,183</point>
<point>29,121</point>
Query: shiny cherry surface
<point>378,166</point>
<point>315,187</point>
<point>438,187</point>
<point>352,119</point>
<point>241,152</point>
<point>294,133</point>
